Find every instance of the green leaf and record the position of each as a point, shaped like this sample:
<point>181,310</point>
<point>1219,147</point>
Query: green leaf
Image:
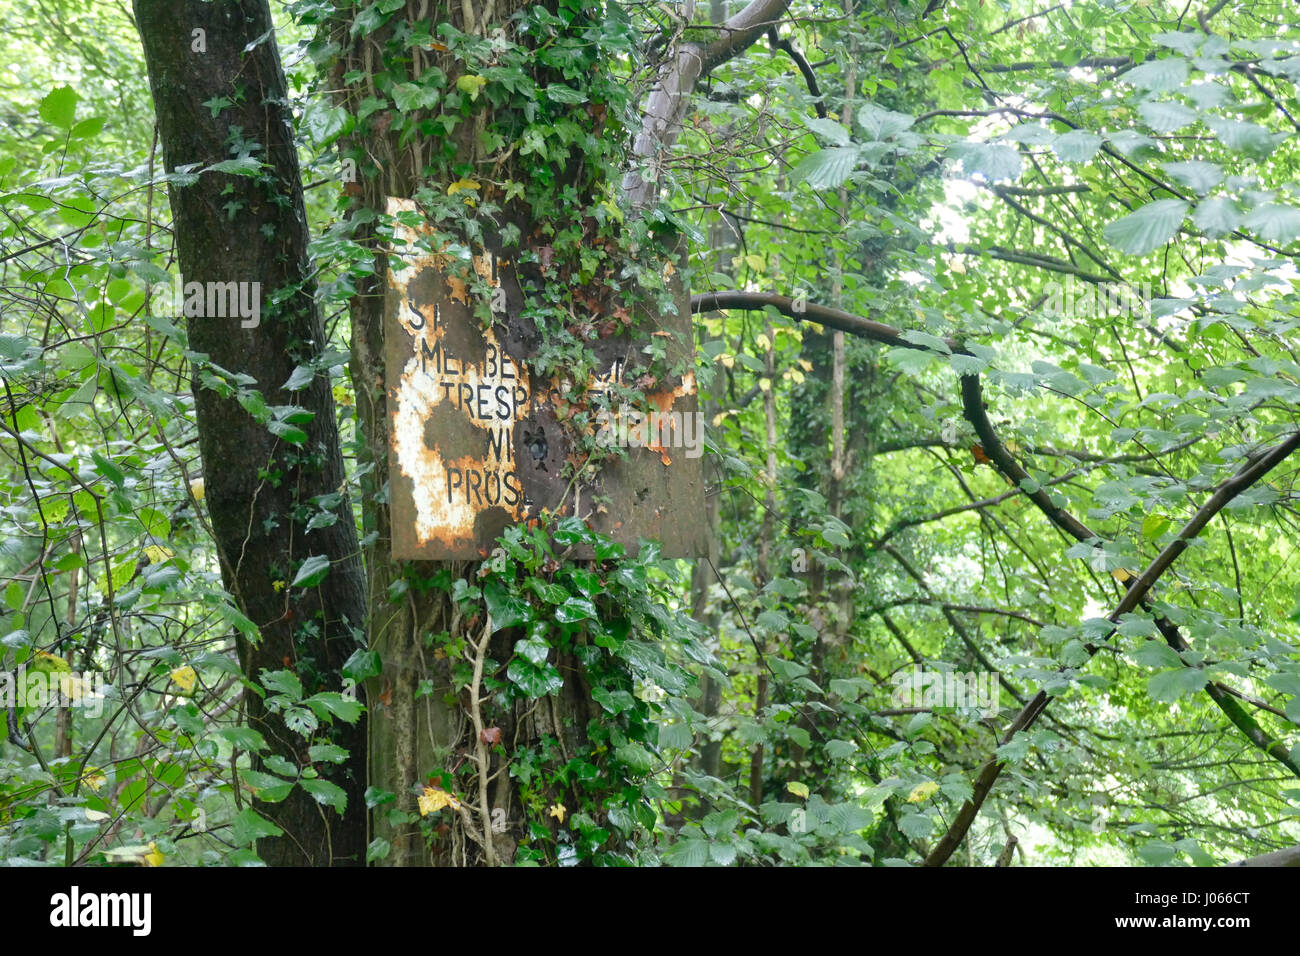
<point>363,664</point>
<point>330,753</point>
<point>1274,222</point>
<point>826,168</point>
<point>916,826</point>
<point>635,757</point>
<point>1148,228</point>
<point>993,161</point>
<point>243,166</point>
<point>59,107</point>
<point>326,793</point>
<point>828,130</point>
<point>1196,175</point>
<point>1167,74</point>
<point>882,124</point>
<point>1164,117</point>
<point>109,470</point>
<point>378,850</point>
<point>506,608</point>
<point>251,825</point>
<point>1249,138</point>
<point>302,377</point>
<point>1169,686</point>
<point>1217,216</point>
<point>242,738</point>
<point>311,572</point>
<point>1077,146</point>
<point>688,851</point>
<point>329,703</point>
<point>267,788</point>
<point>1156,654</point>
<point>283,682</point>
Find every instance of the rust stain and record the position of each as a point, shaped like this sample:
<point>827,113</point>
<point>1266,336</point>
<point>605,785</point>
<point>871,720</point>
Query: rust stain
<point>476,445</point>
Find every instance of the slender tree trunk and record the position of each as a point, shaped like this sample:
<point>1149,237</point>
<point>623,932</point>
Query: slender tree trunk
<point>217,99</point>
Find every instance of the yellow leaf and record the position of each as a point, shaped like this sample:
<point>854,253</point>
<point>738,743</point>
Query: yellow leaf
<point>1122,575</point>
<point>922,792</point>
<point>805,365</point>
<point>196,489</point>
<point>762,341</point>
<point>158,554</point>
<point>727,360</point>
<point>48,663</point>
<point>754,262</point>
<point>462,185</point>
<point>434,799</point>
<point>95,816</point>
<point>765,385</point>
<point>798,789</point>
<point>94,779</point>
<point>153,857</point>
<point>558,811</point>
<point>471,84</point>
<point>185,678</point>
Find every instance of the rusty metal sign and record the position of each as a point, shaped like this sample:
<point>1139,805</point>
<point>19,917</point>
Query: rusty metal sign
<point>477,443</point>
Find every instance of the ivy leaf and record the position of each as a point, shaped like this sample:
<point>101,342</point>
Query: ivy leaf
<point>505,608</point>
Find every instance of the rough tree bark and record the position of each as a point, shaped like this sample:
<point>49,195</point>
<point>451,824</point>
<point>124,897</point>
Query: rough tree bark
<point>235,228</point>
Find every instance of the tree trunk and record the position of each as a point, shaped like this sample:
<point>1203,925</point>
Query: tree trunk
<point>259,487</point>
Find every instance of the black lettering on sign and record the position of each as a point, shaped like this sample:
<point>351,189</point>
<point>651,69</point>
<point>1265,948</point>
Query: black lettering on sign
<point>443,363</point>
<point>500,444</point>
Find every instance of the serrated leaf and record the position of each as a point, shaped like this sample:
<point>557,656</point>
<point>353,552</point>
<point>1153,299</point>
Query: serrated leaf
<point>326,793</point>
<point>59,107</point>
<point>826,168</point>
<point>1217,216</point>
<point>1148,228</point>
<point>1196,175</point>
<point>1077,146</point>
<point>1274,222</point>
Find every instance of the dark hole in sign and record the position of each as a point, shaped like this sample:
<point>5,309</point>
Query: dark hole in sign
<point>535,442</point>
